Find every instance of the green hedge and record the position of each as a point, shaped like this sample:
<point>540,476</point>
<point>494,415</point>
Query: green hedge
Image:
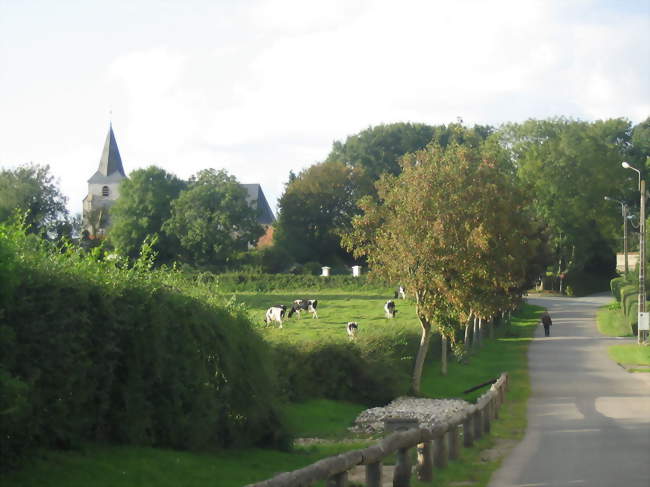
<point>581,283</point>
<point>92,350</point>
<point>615,286</point>
<point>373,370</point>
<point>256,282</point>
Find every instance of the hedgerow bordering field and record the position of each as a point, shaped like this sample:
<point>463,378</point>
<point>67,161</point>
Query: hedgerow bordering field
<point>95,350</point>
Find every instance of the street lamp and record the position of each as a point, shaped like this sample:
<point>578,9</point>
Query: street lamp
<point>642,295</point>
<point>624,212</point>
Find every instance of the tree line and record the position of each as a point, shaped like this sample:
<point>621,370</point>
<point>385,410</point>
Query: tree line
<point>560,167</point>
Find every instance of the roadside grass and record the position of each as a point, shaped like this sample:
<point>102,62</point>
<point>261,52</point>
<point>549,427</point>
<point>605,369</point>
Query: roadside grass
<point>129,466</point>
<point>631,355</point>
<point>505,354</point>
<point>611,321</point>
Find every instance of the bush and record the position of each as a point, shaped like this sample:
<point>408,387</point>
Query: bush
<point>581,283</point>
<point>239,281</point>
<point>93,350</point>
<point>615,286</point>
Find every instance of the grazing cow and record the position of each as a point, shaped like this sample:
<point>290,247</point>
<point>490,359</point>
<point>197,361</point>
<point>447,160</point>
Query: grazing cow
<point>304,305</point>
<point>389,307</point>
<point>352,328</point>
<point>400,292</point>
<point>275,313</point>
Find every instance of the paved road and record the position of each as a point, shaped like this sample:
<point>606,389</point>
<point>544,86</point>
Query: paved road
<point>588,419</point>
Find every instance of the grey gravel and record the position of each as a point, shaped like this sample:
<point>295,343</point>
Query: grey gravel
<point>428,412</point>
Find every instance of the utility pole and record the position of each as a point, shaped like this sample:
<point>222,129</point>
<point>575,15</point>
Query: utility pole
<point>642,295</point>
<point>641,334</point>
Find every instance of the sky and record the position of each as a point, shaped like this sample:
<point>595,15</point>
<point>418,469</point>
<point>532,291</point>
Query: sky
<point>263,87</point>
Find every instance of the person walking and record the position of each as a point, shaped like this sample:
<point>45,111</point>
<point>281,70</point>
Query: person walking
<point>547,322</point>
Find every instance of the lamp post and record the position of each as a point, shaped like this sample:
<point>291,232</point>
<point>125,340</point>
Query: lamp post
<point>624,212</point>
<point>642,295</point>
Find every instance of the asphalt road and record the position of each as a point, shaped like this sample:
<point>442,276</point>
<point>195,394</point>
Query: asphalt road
<point>588,419</point>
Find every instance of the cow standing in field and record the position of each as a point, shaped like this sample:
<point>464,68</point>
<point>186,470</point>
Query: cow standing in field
<point>352,328</point>
<point>389,308</point>
<point>304,305</point>
<point>275,313</point>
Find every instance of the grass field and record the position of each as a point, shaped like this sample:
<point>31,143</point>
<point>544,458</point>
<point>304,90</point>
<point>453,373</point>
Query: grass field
<point>122,466</point>
<point>335,309</point>
<point>611,321</point>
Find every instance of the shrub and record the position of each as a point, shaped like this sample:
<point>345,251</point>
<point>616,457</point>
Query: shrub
<point>93,350</point>
<point>581,283</point>
<point>615,286</point>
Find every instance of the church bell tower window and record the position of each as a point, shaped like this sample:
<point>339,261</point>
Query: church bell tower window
<point>105,191</point>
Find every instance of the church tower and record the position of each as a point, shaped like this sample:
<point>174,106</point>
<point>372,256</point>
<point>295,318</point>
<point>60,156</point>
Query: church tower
<point>103,189</point>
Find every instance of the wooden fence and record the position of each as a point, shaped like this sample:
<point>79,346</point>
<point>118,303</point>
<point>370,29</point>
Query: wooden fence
<point>435,447</point>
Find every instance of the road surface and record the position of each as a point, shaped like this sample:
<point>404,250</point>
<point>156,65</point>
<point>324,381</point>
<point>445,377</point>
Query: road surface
<point>588,419</point>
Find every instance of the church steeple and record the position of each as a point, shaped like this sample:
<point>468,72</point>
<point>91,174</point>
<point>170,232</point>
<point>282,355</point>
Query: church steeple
<point>111,161</point>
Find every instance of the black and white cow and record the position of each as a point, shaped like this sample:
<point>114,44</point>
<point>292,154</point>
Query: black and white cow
<point>400,292</point>
<point>352,328</point>
<point>304,305</point>
<point>389,308</point>
<point>275,313</point>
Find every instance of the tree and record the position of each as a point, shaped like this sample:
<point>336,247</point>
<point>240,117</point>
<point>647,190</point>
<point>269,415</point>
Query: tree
<point>315,208</point>
<point>568,166</point>
<point>425,230</point>
<point>31,188</point>
<point>377,150</point>
<point>141,210</point>
<point>212,220</point>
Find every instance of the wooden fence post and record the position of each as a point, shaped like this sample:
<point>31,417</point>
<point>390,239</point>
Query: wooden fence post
<point>487,416</point>
<point>424,467</point>
<point>373,474</point>
<point>454,442</point>
<point>338,480</point>
<point>468,431</point>
<point>478,426</point>
<point>402,474</point>
<point>440,454</point>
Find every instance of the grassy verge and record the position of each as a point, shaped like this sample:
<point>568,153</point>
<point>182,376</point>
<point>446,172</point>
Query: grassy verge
<point>125,466</point>
<point>611,321</point>
<point>507,353</point>
<point>631,355</point>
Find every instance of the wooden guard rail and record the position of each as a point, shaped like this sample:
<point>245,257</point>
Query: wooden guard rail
<point>434,446</point>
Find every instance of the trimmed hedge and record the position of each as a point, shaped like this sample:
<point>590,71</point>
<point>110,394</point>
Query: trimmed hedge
<point>255,282</point>
<point>93,350</point>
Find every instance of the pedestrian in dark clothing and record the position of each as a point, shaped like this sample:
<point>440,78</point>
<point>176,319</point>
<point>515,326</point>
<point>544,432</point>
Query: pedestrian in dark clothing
<point>546,322</point>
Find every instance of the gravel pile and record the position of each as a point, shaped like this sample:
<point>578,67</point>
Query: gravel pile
<point>428,412</point>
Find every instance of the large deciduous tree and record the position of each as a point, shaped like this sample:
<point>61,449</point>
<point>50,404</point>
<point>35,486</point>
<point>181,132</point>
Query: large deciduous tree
<point>31,189</point>
<point>568,166</point>
<point>315,208</point>
<point>142,209</point>
<point>212,219</point>
<point>426,230</point>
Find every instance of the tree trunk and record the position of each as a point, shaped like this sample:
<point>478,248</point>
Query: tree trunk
<point>491,325</point>
<point>422,354</point>
<point>467,336</point>
<point>480,331</point>
<point>443,356</point>
<point>475,337</point>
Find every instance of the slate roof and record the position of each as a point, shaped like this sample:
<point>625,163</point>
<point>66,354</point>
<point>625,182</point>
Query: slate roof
<point>110,164</point>
<point>256,195</point>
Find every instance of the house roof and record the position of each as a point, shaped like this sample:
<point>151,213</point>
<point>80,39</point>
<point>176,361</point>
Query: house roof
<point>110,164</point>
<point>256,196</point>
